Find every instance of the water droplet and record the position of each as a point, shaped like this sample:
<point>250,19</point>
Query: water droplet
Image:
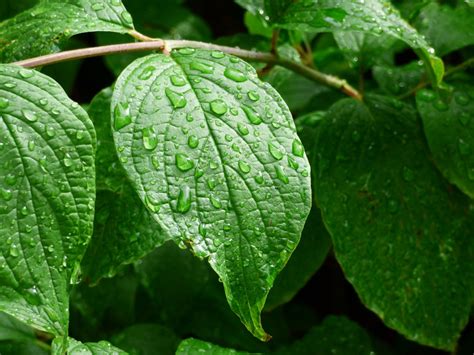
<point>6,194</point>
<point>253,95</point>
<point>31,146</point>
<point>297,148</point>
<point>150,139</point>
<point>281,174</point>
<point>184,200</point>
<point>292,163</point>
<point>215,202</point>
<point>235,75</point>
<point>126,17</point>
<point>183,162</point>
<point>244,167</point>
<point>218,107</point>
<point>202,67</point>
<point>193,141</point>
<point>217,54</point>
<point>26,73</point>
<point>426,95</point>
<point>50,131</point>
<point>11,180</point>
<point>177,80</point>
<point>14,250</point>
<point>464,148</point>
<point>147,73</point>
<point>186,51</point>
<point>189,118</point>
<point>259,179</point>
<point>155,162</point>
<point>4,103</point>
<point>252,116</point>
<point>243,130</point>
<point>211,183</point>
<point>24,211</point>
<point>122,117</point>
<point>152,203</point>
<point>275,152</point>
<point>30,115</point>
<point>79,135</point>
<point>177,100</point>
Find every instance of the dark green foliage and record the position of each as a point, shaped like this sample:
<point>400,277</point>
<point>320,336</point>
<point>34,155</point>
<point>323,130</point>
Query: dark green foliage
<point>313,198</point>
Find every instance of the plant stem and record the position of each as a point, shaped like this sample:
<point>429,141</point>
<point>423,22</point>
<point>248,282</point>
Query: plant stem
<point>149,44</point>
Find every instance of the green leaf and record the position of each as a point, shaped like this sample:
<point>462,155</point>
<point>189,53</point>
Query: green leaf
<point>11,329</point>
<point>398,80</point>
<point>449,128</point>
<point>399,230</point>
<point>335,335</point>
<point>44,28</point>
<point>76,347</point>
<point>147,339</point>
<point>305,261</point>
<point>371,16</point>
<point>446,28</point>
<point>232,180</point>
<point>194,346</point>
<point>47,192</point>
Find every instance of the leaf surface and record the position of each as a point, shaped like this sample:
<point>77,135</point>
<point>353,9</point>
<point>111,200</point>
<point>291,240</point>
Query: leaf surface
<point>193,346</point>
<point>400,232</point>
<point>214,155</point>
<point>11,329</point>
<point>76,347</point>
<point>45,27</point>
<point>47,190</point>
<point>449,128</point>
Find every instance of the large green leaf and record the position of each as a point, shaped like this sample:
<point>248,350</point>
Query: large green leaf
<point>449,128</point>
<point>45,27</point>
<point>47,192</point>
<point>447,28</point>
<point>214,155</point>
<point>371,16</point>
<point>400,232</point>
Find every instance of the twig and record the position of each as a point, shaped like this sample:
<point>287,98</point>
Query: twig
<point>149,44</point>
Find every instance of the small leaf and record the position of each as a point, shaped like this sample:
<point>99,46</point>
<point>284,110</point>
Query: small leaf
<point>194,346</point>
<point>76,347</point>
<point>400,232</point>
<point>47,193</point>
<point>449,128</point>
<point>45,27</point>
<point>245,218</point>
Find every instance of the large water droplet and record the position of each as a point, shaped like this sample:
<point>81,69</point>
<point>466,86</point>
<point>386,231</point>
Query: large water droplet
<point>218,107</point>
<point>281,174</point>
<point>215,202</point>
<point>244,167</point>
<point>147,73</point>
<point>177,80</point>
<point>26,73</point>
<point>243,130</point>
<point>183,162</point>
<point>193,141</point>
<point>253,95</point>
<point>297,148</point>
<point>235,75</point>
<point>122,117</point>
<point>177,100</point>
<point>184,200</point>
<point>14,250</point>
<point>202,67</point>
<point>152,203</point>
<point>252,116</point>
<point>217,54</point>
<point>292,163</point>
<point>275,152</point>
<point>30,115</point>
<point>150,139</point>
<point>4,103</point>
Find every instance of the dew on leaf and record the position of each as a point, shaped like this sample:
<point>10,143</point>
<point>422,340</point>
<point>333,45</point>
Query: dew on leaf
<point>186,51</point>
<point>177,80</point>
<point>150,139</point>
<point>4,103</point>
<point>275,152</point>
<point>297,148</point>
<point>215,202</point>
<point>193,141</point>
<point>147,73</point>
<point>30,115</point>
<point>184,200</point>
<point>217,54</point>
<point>252,116</point>
<point>244,167</point>
<point>183,162</point>
<point>281,174</point>
<point>122,116</point>
<point>235,75</point>
<point>176,99</point>
<point>243,130</point>
<point>202,67</point>
<point>218,107</point>
<point>152,203</point>
<point>426,95</point>
<point>253,95</point>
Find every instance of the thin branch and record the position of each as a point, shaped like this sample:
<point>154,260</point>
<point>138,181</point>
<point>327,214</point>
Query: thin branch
<point>149,44</point>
